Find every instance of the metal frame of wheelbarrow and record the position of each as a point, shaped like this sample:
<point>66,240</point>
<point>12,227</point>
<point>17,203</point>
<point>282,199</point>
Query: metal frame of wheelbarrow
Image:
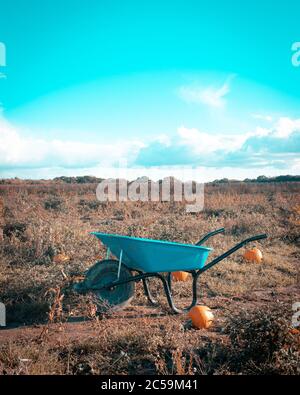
<point>166,281</point>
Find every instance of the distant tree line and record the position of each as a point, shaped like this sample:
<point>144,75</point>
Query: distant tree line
<point>96,180</point>
<point>260,179</point>
<point>78,179</point>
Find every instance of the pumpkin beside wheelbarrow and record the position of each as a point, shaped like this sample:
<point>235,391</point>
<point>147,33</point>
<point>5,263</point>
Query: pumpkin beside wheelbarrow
<point>201,316</point>
<point>180,276</point>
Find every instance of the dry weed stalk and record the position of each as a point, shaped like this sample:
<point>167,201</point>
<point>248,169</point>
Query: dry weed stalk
<point>91,308</point>
<point>182,364</point>
<point>56,309</point>
<point>55,312</point>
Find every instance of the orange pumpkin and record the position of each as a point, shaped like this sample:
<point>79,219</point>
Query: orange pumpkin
<point>294,331</point>
<point>201,316</point>
<point>253,255</point>
<point>61,258</point>
<point>180,276</point>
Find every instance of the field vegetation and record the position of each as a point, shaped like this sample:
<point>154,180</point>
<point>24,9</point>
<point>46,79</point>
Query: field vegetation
<point>45,247</point>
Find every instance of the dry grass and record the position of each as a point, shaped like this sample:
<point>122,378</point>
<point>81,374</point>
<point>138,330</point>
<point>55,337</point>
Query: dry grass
<point>40,222</point>
<point>259,342</point>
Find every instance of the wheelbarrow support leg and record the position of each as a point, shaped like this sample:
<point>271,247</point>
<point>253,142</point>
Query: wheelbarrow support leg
<point>169,278</point>
<point>167,290</point>
<point>148,293</point>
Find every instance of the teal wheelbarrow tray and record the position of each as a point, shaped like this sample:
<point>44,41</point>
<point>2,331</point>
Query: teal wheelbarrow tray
<point>112,281</point>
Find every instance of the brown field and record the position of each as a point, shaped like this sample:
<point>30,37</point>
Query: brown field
<point>52,330</point>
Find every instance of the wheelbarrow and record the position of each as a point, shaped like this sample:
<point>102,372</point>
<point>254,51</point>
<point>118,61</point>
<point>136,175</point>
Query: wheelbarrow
<point>112,281</point>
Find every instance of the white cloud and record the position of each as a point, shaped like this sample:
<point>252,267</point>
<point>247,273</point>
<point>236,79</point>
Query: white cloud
<point>277,147</point>
<point>211,96</point>
<point>263,117</point>
<point>282,129</point>
<point>203,142</point>
<point>259,132</point>
<point>16,150</point>
<point>163,139</point>
<point>286,126</point>
<point>258,151</point>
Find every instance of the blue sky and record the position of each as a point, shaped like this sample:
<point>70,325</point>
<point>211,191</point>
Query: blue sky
<point>156,85</point>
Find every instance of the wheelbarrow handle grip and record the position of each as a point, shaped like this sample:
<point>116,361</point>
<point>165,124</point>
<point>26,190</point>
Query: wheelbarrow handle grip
<point>255,238</point>
<point>208,235</point>
<point>231,251</point>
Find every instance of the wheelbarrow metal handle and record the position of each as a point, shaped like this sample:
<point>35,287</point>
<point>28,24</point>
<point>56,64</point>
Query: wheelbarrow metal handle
<point>231,251</point>
<point>208,235</point>
<point>255,238</point>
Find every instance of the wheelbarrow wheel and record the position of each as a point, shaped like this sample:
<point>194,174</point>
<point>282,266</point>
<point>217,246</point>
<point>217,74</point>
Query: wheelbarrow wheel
<point>113,298</point>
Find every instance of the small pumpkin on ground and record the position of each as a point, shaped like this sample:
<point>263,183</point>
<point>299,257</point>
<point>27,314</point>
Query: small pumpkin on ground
<point>253,255</point>
<point>180,276</point>
<point>201,316</point>
<point>61,258</point>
